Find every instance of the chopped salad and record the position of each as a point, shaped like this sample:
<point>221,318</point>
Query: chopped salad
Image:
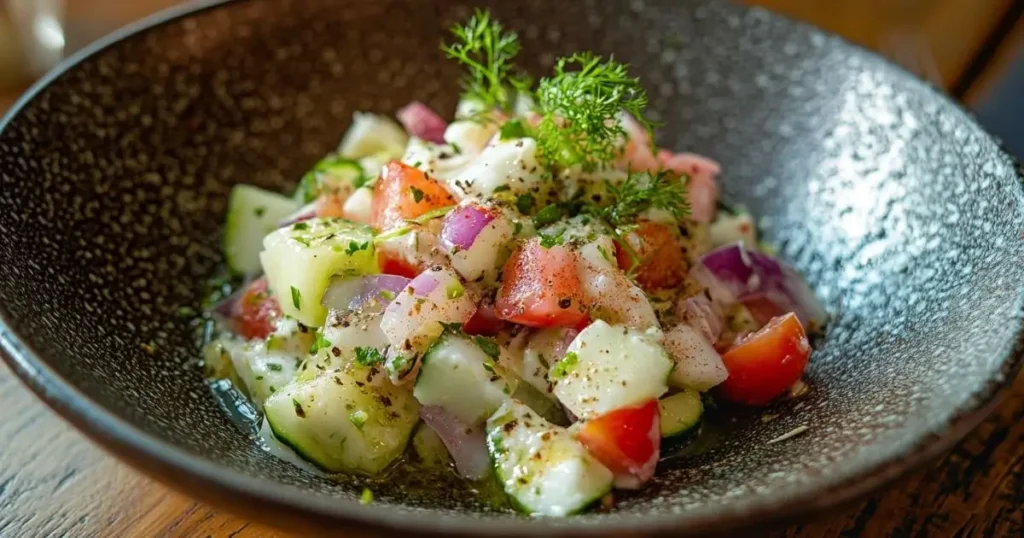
<point>534,293</point>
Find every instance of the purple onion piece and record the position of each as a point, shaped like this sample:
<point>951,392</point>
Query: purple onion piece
<point>749,273</point>
<point>466,444</point>
<point>462,226</point>
<point>422,122</point>
<point>354,292</point>
<point>424,284</point>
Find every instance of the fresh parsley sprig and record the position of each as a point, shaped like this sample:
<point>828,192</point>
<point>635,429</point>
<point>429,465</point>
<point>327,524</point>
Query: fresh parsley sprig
<point>581,107</point>
<point>484,47</point>
<point>642,191</point>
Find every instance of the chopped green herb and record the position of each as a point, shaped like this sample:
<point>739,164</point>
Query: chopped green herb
<point>354,247</point>
<point>549,215</point>
<point>296,298</point>
<point>501,188</point>
<point>274,367</point>
<point>417,164</point>
<point>299,411</point>
<point>551,240</point>
<point>300,226</point>
<point>417,194</point>
<point>260,211</point>
<point>524,203</point>
<point>320,343</point>
<point>366,497</point>
<point>563,367</point>
<point>488,365</point>
<point>387,295</point>
<point>518,228</point>
<point>456,148</point>
<point>368,356</point>
<point>489,346</point>
<point>642,191</point>
<point>358,418</point>
<point>513,129</point>
<point>259,378</point>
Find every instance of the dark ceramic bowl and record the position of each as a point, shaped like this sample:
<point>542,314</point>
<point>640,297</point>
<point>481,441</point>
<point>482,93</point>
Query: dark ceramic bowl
<point>905,216</point>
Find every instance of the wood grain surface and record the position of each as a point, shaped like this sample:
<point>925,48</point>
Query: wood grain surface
<point>53,482</point>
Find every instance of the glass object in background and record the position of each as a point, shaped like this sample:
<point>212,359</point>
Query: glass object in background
<point>31,39</point>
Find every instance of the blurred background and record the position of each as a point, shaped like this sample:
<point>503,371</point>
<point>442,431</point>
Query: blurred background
<point>970,48</point>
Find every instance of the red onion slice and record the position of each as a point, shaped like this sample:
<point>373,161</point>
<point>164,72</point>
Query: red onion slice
<point>749,273</point>
<point>422,122</point>
<point>462,226</point>
<point>466,444</point>
<point>352,293</point>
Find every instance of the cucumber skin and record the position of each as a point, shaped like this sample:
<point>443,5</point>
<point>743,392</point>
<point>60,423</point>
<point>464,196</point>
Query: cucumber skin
<point>690,425</point>
<point>384,439</point>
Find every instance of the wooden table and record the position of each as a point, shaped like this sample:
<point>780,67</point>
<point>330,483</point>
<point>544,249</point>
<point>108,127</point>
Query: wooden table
<point>55,482</point>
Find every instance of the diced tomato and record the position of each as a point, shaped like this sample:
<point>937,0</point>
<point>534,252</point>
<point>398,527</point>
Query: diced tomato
<point>540,287</point>
<point>403,192</point>
<point>765,364</point>
<point>627,441</point>
<point>662,265</point>
<point>484,321</point>
<point>394,264</point>
<point>256,311</point>
<point>762,309</point>
<point>330,205</point>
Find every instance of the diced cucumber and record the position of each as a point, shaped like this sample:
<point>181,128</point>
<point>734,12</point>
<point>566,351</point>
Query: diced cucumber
<point>540,466</point>
<point>428,449</point>
<point>680,412</point>
<point>342,424</point>
<point>261,367</point>
<point>459,376</point>
<point>299,261</point>
<point>252,214</point>
<point>607,367</point>
<point>352,342</point>
<point>372,133</point>
<point>332,174</point>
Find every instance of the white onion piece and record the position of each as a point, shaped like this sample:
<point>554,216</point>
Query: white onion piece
<point>353,292</point>
<point>414,319</point>
<point>612,293</point>
<point>466,444</point>
<point>475,238</point>
<point>698,365</point>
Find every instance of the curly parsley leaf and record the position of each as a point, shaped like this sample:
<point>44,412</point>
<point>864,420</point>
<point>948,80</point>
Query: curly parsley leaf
<point>368,356</point>
<point>484,47</point>
<point>581,107</point>
<point>642,191</point>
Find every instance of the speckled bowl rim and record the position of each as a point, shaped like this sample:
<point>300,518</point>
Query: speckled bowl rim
<point>205,480</point>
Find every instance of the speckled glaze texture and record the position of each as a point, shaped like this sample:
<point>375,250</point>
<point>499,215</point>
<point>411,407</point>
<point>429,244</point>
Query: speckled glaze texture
<point>904,215</point>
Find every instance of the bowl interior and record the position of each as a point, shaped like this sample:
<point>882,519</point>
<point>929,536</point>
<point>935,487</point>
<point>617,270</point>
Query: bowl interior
<point>903,214</point>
